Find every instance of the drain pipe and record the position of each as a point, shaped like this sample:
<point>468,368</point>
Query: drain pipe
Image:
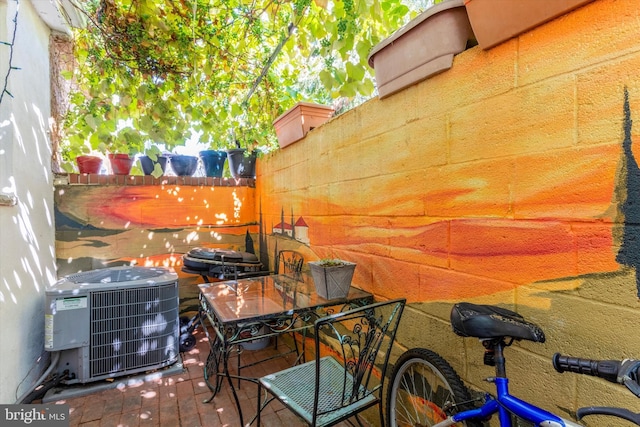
<point>54,362</point>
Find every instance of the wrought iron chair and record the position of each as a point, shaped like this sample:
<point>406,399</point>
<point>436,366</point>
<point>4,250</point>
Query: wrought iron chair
<point>329,389</point>
<point>289,262</point>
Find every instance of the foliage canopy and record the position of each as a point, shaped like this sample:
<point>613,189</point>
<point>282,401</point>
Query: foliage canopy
<point>224,69</point>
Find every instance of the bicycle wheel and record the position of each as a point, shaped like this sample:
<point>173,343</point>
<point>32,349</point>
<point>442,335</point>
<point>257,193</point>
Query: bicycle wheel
<point>422,388</point>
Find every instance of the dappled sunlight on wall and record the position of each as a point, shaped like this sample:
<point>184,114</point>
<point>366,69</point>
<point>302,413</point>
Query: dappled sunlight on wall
<point>27,261</point>
<point>150,225</point>
<point>27,206</point>
<point>513,178</point>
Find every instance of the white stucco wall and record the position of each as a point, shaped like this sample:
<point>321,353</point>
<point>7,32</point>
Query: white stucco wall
<point>27,255</point>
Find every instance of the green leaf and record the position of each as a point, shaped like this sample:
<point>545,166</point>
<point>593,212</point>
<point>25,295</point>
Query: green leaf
<point>175,71</point>
<point>355,71</point>
<point>91,121</point>
<point>326,78</point>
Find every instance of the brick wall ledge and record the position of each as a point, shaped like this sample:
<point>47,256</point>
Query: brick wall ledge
<point>198,181</point>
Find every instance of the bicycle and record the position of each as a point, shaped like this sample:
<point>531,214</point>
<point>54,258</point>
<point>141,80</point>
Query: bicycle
<point>426,391</point>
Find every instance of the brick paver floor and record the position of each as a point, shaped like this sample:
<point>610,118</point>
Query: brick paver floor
<point>178,400</point>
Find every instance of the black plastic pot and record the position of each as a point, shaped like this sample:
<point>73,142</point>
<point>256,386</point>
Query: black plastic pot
<point>148,165</point>
<point>240,165</point>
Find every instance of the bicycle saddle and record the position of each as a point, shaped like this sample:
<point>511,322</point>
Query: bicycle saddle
<point>488,321</point>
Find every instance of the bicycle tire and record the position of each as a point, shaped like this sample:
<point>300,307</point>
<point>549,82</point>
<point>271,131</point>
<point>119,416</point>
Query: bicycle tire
<point>421,383</point>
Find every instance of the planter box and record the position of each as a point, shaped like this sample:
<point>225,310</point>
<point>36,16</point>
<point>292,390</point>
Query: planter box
<point>332,282</point>
<point>496,21</point>
<point>296,122</point>
<point>422,48</point>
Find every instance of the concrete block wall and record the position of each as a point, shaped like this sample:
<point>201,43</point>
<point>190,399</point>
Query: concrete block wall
<point>109,220</point>
<point>509,179</point>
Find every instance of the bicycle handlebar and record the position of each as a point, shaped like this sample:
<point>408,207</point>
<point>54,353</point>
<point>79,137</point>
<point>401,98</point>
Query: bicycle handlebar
<point>623,372</point>
<point>606,369</point>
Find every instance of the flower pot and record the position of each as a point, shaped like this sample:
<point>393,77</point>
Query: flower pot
<point>184,165</point>
<point>89,164</point>
<point>296,122</point>
<point>496,21</point>
<point>120,163</point>
<point>242,166</point>
<point>422,48</point>
<point>149,165</point>
<point>213,162</point>
<point>332,282</point>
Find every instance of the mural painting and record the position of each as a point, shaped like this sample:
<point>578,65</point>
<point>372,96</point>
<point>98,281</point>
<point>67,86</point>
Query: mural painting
<point>629,253</point>
<point>101,226</point>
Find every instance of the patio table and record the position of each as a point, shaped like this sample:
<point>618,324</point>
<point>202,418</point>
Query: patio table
<point>244,310</point>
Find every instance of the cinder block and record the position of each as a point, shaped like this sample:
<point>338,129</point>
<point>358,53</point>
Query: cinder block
<point>600,114</point>
<point>579,38</point>
<point>469,189</point>
<point>576,183</point>
<point>493,128</point>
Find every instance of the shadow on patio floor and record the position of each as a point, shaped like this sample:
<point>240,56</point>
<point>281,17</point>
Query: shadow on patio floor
<point>177,400</point>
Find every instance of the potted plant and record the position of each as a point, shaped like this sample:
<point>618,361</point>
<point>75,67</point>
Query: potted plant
<point>78,153</point>
<point>89,164</point>
<point>295,123</point>
<point>422,48</point>
<point>183,165</point>
<point>213,162</point>
<point>122,149</point>
<point>332,277</point>
<point>242,158</point>
<point>153,162</point>
<point>242,163</point>
<point>121,163</point>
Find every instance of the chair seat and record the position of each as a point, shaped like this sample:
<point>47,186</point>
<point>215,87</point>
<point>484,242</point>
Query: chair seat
<point>294,387</point>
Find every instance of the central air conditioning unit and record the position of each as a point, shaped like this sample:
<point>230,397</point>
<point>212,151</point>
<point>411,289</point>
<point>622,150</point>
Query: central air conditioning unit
<point>114,321</point>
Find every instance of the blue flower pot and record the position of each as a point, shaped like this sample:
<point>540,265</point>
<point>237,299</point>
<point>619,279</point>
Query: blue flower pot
<point>213,162</point>
<point>184,165</point>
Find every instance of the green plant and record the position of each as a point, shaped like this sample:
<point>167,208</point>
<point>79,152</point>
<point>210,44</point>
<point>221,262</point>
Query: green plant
<point>167,70</point>
<point>331,262</point>
<point>153,152</point>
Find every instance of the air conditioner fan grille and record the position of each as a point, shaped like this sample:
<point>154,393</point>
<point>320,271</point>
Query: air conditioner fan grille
<point>133,328</point>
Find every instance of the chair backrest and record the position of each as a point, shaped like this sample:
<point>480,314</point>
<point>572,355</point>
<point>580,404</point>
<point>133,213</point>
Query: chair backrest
<point>361,341</point>
<point>289,262</point>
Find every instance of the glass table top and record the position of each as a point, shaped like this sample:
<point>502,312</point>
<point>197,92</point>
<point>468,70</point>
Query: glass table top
<point>268,296</point>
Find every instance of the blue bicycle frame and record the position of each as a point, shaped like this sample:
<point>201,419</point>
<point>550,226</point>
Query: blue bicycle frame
<point>505,404</point>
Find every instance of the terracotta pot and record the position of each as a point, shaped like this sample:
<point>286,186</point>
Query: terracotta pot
<point>242,166</point>
<point>149,165</point>
<point>296,122</point>
<point>213,162</point>
<point>422,48</point>
<point>120,163</point>
<point>184,165</point>
<point>89,164</point>
<point>496,21</point>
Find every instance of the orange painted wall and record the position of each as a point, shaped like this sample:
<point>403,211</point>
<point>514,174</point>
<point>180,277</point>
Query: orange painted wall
<point>502,180</point>
<point>105,225</point>
<point>507,179</point>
